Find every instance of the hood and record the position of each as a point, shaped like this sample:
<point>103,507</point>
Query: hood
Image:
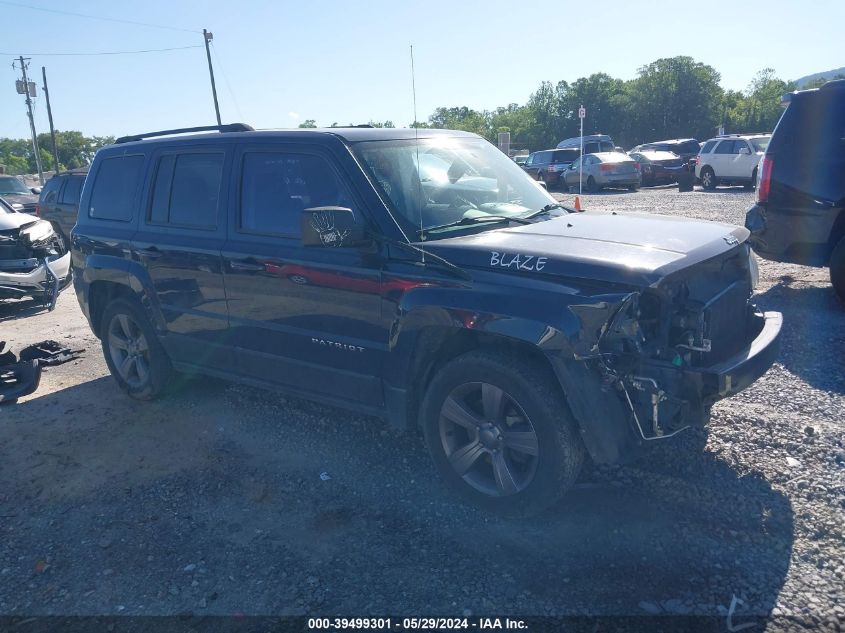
<point>11,221</point>
<point>632,249</point>
<point>21,198</point>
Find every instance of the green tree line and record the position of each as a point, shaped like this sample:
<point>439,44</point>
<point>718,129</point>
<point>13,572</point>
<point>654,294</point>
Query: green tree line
<point>75,150</point>
<point>675,97</point>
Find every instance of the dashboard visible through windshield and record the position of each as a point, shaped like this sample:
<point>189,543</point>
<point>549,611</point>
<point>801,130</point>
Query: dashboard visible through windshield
<point>434,183</point>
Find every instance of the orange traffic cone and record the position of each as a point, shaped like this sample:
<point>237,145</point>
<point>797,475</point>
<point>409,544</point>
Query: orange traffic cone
<point>578,203</point>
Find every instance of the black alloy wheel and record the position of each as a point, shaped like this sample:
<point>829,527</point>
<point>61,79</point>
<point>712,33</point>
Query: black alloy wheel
<point>488,439</point>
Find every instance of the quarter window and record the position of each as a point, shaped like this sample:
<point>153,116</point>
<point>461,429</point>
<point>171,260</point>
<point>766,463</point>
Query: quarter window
<point>187,190</point>
<point>708,147</point>
<point>70,194</point>
<point>277,186</point>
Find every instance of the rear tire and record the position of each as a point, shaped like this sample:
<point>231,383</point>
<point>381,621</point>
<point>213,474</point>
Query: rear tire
<point>134,355</point>
<point>632,187</point>
<point>837,269</point>
<point>500,433</point>
<point>708,178</point>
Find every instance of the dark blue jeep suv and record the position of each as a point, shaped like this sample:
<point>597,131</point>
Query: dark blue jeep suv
<point>421,276</point>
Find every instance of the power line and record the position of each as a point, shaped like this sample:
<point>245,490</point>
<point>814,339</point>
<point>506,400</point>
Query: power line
<point>96,17</point>
<point>148,50</point>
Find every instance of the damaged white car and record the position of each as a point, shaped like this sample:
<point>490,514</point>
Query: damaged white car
<point>33,259</point>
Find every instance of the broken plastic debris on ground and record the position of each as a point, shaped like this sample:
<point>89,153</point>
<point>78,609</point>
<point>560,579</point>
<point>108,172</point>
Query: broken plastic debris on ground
<point>20,374</point>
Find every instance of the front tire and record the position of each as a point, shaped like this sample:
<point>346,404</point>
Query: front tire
<point>837,269</point>
<point>592,186</point>
<point>708,178</point>
<point>134,355</point>
<point>500,433</point>
<point>750,186</point>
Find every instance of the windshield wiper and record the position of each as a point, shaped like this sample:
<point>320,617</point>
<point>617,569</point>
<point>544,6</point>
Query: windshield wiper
<point>476,219</point>
<point>546,209</point>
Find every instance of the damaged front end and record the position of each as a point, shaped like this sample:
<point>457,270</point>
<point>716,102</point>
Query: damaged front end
<point>34,262</point>
<point>673,349</point>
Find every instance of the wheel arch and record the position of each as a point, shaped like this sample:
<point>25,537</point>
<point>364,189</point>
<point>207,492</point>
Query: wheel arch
<point>106,278</point>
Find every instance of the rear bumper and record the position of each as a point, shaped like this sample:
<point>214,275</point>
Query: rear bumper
<point>790,236</point>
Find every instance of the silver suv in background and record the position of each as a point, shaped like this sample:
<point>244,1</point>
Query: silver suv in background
<point>593,143</point>
<point>731,159</point>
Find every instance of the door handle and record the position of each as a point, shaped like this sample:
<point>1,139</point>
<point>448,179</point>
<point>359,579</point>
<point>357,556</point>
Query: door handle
<point>152,252</point>
<point>246,265</point>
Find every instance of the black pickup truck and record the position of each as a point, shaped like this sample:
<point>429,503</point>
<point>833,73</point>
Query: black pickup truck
<point>421,276</point>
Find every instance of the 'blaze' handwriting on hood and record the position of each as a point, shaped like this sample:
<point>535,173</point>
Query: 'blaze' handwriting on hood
<point>517,261</point>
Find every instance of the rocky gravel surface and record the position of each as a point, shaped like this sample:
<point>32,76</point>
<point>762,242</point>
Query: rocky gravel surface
<point>228,500</point>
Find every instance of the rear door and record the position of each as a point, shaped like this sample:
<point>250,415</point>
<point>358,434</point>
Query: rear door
<point>179,239</point>
<point>67,207</point>
<point>49,200</point>
<point>720,158</point>
<point>306,318</point>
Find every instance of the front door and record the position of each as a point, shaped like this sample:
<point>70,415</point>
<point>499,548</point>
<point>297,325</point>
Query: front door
<point>307,318</point>
<point>179,239</point>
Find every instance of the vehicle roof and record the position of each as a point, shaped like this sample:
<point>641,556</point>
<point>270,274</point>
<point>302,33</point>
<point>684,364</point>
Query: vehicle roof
<point>348,134</point>
<point>750,135</point>
<point>619,156</point>
<point>656,152</point>
<point>671,141</point>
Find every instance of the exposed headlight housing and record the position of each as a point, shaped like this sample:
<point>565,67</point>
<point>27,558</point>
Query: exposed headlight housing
<point>37,232</point>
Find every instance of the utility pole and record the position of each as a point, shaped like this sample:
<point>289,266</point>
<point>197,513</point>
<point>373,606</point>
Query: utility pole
<point>31,119</point>
<point>207,37</point>
<point>50,116</point>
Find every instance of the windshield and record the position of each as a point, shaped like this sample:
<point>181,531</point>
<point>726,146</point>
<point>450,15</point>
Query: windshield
<point>760,143</point>
<point>439,181</point>
<point>8,184</point>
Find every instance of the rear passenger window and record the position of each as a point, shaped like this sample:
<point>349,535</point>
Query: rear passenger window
<point>277,186</point>
<point>51,189</point>
<point>70,194</point>
<point>725,147</point>
<point>114,188</point>
<point>187,190</point>
<point>708,147</point>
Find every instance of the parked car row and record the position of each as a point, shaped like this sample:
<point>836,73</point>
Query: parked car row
<point>723,160</point>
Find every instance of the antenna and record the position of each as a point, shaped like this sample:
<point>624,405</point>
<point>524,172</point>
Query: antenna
<point>417,144</point>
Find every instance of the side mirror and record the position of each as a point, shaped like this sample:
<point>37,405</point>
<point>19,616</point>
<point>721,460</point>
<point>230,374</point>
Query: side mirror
<point>331,227</point>
<point>35,190</point>
<point>744,150</point>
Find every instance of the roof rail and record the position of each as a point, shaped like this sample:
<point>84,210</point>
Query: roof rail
<point>229,127</point>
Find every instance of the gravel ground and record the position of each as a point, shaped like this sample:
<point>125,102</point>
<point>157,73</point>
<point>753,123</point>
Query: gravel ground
<point>228,500</point>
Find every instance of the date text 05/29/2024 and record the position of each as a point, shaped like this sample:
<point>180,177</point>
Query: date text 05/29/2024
<point>416,624</point>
